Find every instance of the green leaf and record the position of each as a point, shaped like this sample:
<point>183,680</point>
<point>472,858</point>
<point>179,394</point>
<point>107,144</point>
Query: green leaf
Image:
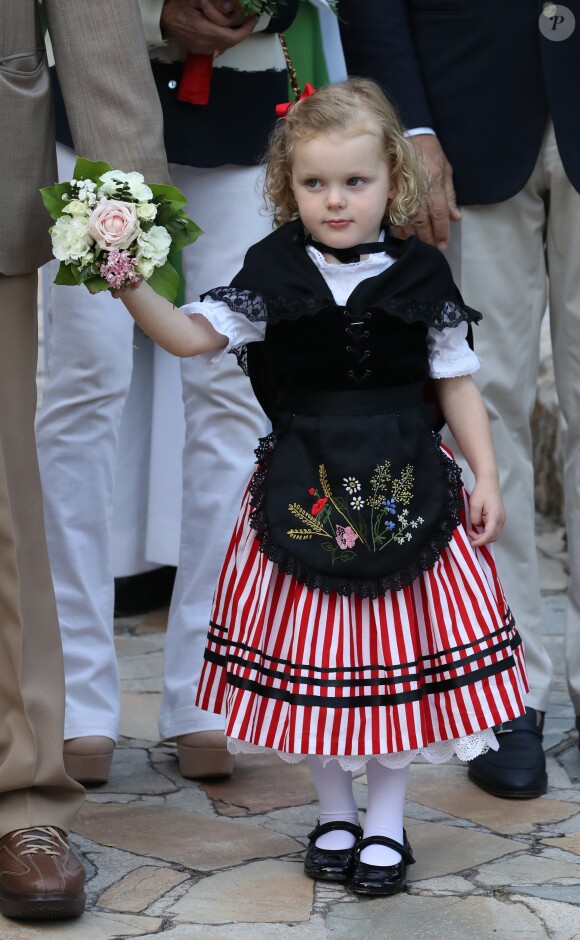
<point>96,284</point>
<point>184,233</point>
<point>181,228</point>
<point>189,233</point>
<point>327,546</point>
<point>341,503</point>
<point>52,198</point>
<point>167,193</point>
<point>346,556</point>
<point>165,281</point>
<point>65,275</point>
<point>90,169</point>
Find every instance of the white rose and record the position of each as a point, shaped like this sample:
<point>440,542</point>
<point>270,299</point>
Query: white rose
<point>154,245</point>
<point>145,268</point>
<point>114,179</point>
<point>76,208</point>
<point>70,239</point>
<point>146,211</point>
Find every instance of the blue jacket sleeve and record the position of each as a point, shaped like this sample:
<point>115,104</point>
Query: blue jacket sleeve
<point>378,43</point>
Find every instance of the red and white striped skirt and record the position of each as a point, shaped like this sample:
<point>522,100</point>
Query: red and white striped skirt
<point>303,672</point>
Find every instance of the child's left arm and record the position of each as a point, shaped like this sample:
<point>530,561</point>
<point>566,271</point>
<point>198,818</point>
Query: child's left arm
<point>466,416</point>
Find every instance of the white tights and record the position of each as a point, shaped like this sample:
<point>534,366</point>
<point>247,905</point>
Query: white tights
<point>384,816</point>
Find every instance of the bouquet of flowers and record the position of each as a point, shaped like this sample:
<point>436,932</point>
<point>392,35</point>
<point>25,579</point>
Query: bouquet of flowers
<point>111,229</point>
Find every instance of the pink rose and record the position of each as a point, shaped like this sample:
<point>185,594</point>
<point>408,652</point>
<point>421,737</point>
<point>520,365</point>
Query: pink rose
<point>113,224</point>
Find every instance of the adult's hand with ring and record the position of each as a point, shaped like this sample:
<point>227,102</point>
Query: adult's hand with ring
<point>225,12</point>
<point>201,34</point>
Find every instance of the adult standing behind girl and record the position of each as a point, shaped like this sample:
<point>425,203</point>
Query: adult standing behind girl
<point>358,618</point>
<point>214,151</point>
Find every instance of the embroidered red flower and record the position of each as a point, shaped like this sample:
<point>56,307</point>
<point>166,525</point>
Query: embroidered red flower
<point>312,491</point>
<point>319,505</point>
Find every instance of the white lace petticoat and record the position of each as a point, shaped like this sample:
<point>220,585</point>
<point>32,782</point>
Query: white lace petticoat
<point>438,753</point>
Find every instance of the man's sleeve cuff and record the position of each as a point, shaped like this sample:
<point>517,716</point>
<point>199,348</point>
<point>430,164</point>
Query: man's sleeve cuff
<point>415,131</point>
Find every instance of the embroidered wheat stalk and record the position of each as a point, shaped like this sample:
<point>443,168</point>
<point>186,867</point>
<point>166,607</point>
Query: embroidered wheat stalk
<point>309,520</point>
<point>302,534</point>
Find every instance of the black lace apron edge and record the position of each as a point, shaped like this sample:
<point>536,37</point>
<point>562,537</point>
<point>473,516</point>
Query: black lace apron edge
<point>372,587</point>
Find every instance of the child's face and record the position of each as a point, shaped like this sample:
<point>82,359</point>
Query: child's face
<point>341,186</point>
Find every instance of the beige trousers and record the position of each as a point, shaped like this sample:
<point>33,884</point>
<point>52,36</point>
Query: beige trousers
<point>34,788</point>
<point>509,260</point>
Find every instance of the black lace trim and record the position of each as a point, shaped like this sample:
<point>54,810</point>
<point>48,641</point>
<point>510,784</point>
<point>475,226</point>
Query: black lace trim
<point>267,307</point>
<point>271,308</point>
<point>439,314</point>
<point>374,587</point>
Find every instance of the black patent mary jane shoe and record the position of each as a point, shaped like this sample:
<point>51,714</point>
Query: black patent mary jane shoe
<point>330,864</point>
<point>381,880</point>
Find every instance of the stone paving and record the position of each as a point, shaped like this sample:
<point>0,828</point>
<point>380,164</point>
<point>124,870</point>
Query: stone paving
<point>223,860</point>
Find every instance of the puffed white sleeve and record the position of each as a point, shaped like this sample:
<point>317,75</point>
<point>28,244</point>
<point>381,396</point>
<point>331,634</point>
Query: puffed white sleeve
<point>449,352</point>
<point>238,329</point>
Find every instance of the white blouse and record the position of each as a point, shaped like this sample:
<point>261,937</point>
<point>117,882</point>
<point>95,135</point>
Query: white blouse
<point>449,352</point>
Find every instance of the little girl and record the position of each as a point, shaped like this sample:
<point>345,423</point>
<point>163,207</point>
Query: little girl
<point>358,619</point>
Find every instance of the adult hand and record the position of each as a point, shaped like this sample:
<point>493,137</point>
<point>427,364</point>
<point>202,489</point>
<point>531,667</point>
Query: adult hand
<point>224,12</point>
<point>189,22</point>
<point>432,223</point>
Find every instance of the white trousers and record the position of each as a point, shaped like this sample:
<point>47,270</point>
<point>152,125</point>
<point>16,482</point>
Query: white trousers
<point>88,379</point>
<point>509,260</point>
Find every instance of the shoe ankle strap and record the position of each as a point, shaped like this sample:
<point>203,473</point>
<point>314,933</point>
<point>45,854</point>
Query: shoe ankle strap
<point>404,850</point>
<point>336,824</point>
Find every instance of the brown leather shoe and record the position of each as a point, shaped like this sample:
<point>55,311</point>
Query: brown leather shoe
<point>204,755</point>
<point>40,876</point>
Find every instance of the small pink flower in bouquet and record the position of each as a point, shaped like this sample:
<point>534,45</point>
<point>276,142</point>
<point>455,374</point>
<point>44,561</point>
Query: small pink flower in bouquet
<point>119,269</point>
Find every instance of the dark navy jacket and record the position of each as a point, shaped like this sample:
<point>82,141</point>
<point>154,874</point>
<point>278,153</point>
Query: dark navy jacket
<point>482,74</point>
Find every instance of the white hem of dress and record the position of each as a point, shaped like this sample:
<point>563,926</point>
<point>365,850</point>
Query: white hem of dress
<point>466,749</point>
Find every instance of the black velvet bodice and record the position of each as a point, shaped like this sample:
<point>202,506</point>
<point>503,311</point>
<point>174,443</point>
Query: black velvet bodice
<point>377,340</point>
<point>341,350</point>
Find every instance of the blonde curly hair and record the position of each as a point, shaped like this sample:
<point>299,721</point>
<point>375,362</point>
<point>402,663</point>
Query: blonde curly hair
<point>346,109</point>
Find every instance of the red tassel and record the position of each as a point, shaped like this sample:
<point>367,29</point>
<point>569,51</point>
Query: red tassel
<point>195,79</point>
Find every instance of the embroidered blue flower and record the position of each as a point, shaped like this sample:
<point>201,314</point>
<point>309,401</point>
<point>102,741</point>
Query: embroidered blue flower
<point>390,525</point>
<point>389,506</point>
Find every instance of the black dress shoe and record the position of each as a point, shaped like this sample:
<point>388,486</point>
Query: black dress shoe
<point>518,769</point>
<point>330,864</point>
<point>139,593</point>
<point>381,879</point>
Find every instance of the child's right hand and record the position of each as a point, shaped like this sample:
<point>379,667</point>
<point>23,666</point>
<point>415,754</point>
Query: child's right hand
<point>487,512</point>
<point>119,294</point>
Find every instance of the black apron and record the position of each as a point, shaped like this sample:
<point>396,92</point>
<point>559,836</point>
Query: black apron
<point>353,492</point>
